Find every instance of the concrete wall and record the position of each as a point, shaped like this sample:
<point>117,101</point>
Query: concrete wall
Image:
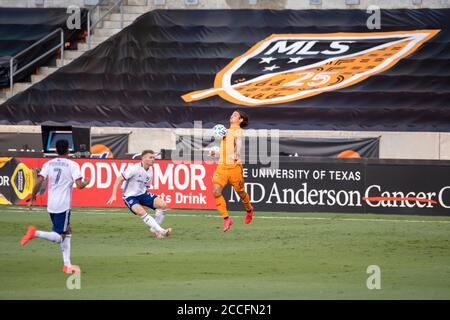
<point>235,4</point>
<point>393,145</point>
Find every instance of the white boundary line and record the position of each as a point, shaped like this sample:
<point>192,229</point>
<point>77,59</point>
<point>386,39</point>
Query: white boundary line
<point>119,211</point>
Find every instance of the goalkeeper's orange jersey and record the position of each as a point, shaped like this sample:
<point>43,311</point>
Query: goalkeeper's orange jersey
<point>229,158</point>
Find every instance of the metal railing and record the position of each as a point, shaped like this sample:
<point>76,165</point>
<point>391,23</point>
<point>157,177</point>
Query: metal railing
<point>12,73</point>
<point>91,26</point>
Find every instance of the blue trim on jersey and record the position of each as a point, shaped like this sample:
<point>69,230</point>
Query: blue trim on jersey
<point>60,221</point>
<point>146,199</point>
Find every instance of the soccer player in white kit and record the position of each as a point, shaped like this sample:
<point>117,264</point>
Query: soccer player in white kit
<point>61,173</point>
<point>137,178</point>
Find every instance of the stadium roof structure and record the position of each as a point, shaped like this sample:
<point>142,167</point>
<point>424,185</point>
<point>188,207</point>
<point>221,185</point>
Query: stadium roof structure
<point>288,69</point>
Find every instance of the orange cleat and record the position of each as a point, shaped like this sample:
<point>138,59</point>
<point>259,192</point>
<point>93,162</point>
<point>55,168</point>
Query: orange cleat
<point>227,224</point>
<point>30,235</point>
<point>71,269</point>
<point>249,216</point>
<point>168,232</point>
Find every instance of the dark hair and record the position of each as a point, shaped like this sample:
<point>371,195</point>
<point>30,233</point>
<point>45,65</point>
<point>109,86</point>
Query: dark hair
<point>62,147</point>
<point>147,151</point>
<point>244,118</point>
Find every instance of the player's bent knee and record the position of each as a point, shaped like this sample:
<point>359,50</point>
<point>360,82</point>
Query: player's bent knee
<point>160,204</point>
<point>138,210</point>
<point>163,206</point>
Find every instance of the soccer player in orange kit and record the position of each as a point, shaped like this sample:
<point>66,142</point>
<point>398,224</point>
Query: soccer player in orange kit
<point>229,169</point>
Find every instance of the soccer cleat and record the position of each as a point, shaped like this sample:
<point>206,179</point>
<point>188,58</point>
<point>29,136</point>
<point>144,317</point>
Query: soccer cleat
<point>227,224</point>
<point>30,235</point>
<point>71,269</point>
<point>158,235</point>
<point>162,236</point>
<point>249,216</point>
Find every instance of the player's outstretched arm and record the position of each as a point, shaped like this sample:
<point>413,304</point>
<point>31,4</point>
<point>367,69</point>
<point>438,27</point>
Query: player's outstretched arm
<point>82,183</point>
<point>36,189</point>
<point>118,182</point>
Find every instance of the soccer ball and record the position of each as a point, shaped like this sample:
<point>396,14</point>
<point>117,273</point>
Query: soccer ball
<point>219,131</point>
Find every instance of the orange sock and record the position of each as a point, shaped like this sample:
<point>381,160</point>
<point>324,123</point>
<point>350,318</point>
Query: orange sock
<point>246,202</point>
<point>222,206</point>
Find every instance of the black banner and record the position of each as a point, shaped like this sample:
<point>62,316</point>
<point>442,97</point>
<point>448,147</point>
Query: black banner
<point>20,142</point>
<point>109,146</point>
<point>375,186</point>
<point>102,146</point>
<point>329,147</point>
<point>292,147</point>
<point>288,69</point>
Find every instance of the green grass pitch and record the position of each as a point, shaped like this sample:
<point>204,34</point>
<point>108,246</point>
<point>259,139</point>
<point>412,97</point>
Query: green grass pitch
<point>277,256</point>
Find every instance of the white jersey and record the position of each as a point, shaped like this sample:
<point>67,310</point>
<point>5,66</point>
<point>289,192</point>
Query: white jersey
<point>60,173</point>
<point>137,180</point>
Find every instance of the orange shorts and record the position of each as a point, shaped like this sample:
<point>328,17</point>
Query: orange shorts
<point>234,176</point>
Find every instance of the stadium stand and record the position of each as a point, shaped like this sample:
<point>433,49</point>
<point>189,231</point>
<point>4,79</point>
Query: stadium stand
<point>105,18</point>
<point>31,37</point>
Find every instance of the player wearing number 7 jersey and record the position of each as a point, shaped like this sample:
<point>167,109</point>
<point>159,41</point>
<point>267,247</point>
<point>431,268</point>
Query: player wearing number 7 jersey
<point>61,173</point>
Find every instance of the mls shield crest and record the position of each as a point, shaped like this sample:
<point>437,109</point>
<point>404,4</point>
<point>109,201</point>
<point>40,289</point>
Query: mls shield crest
<point>288,67</point>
